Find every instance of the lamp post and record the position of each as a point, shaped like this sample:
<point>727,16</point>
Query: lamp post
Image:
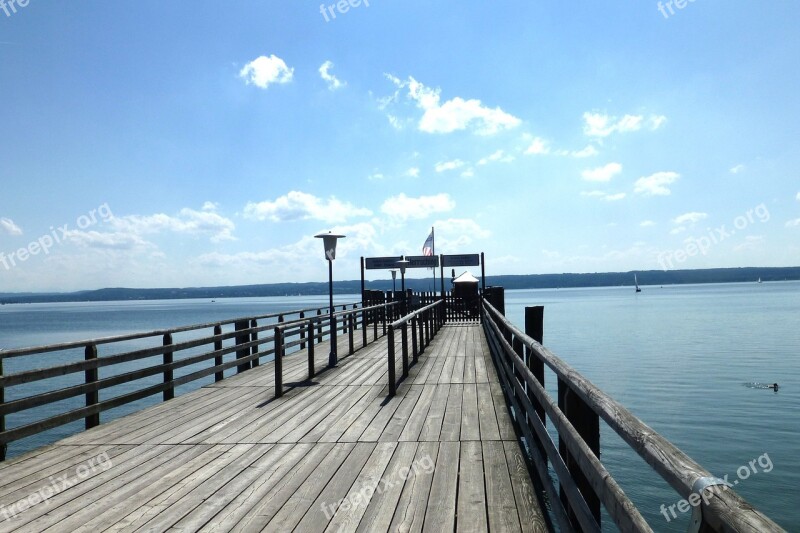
<point>329,242</point>
<point>394,290</point>
<point>403,263</point>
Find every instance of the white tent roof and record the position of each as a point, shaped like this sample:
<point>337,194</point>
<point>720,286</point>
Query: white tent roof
<point>466,277</point>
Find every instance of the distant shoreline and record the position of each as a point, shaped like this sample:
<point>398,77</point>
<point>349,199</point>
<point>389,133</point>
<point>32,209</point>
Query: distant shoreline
<point>509,282</point>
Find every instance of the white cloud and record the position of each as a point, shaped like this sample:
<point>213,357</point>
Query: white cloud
<point>793,223</point>
<point>210,206</point>
<point>264,71</point>
<point>376,176</point>
<point>678,230</point>
<point>107,240</point>
<point>469,173</point>
<point>750,242</point>
<point>453,115</point>
<point>589,151</point>
<point>690,218</point>
<point>8,225</point>
<point>188,221</point>
<point>499,155</point>
<point>602,125</point>
<point>402,207</point>
<point>454,234</point>
<point>603,174</point>
<point>604,195</point>
<point>412,172</point>
<point>798,197</point>
<point>738,169</point>
<point>647,223</point>
<point>656,184</point>
<point>333,81</point>
<point>443,166</point>
<point>538,146</point>
<point>298,205</point>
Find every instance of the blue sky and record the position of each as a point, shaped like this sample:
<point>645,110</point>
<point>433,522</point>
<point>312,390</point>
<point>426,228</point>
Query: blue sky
<point>205,143</point>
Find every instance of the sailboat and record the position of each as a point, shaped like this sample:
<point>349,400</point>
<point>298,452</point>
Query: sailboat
<point>636,282</point>
<point>759,280</point>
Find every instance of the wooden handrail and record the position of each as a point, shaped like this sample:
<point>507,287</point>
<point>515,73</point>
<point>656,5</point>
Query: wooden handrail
<point>304,329</point>
<point>721,510</point>
<point>246,347</point>
<point>433,316</point>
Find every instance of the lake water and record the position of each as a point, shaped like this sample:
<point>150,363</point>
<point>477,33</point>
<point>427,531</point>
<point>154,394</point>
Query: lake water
<point>684,359</point>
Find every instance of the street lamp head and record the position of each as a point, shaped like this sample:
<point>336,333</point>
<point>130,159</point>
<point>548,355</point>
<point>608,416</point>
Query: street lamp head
<point>394,274</point>
<point>403,264</point>
<point>329,242</point>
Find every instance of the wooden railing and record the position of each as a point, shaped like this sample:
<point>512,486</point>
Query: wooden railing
<point>425,323</point>
<point>461,309</point>
<point>303,329</point>
<point>584,482</point>
<point>247,343</point>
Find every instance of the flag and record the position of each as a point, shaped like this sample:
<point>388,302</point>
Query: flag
<point>427,248</point>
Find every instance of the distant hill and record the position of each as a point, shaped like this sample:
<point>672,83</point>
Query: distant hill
<point>530,281</point>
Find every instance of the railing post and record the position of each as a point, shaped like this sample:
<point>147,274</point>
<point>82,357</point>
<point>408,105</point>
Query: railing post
<point>344,322</point>
<point>254,337</point>
<point>383,318</point>
<point>302,332</point>
<point>392,376</point>
<point>374,325</point>
<point>321,329</point>
<point>218,376</point>
<point>4,446</point>
<point>363,327</point>
<point>242,338</point>
<point>534,328</point>
<point>404,348</point>
<point>420,325</point>
<point>311,370</point>
<point>351,320</point>
<point>587,423</point>
<point>414,344</point>
<point>92,397</point>
<point>334,341</point>
<point>169,393</point>
<point>278,340</point>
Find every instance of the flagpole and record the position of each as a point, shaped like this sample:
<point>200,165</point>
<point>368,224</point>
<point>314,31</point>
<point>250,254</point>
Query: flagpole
<point>433,247</point>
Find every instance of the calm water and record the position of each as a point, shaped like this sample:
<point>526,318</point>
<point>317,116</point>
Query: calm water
<point>680,358</point>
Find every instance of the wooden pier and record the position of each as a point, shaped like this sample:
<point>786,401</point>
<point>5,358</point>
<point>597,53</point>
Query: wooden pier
<point>432,421</point>
<point>333,454</point>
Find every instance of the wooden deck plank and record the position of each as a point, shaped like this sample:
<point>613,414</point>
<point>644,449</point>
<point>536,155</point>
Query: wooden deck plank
<point>531,518</point>
<point>345,513</point>
<point>500,505</point>
<point>470,423</point>
<point>441,516</point>
<point>380,511</point>
<point>471,511</point>
<point>410,513</point>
